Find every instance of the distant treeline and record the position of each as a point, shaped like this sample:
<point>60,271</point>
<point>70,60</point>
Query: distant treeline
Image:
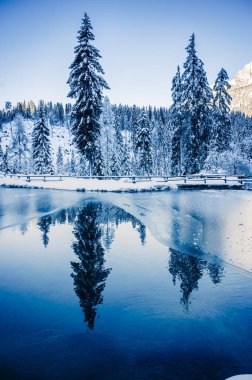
<point>123,128</point>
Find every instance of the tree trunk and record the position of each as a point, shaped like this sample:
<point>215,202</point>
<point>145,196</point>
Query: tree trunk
<point>91,168</point>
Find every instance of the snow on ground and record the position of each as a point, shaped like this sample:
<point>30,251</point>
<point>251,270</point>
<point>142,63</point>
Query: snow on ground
<point>85,184</point>
<point>127,185</point>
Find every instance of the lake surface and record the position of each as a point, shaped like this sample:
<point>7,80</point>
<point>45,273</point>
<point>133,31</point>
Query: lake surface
<point>125,286</point>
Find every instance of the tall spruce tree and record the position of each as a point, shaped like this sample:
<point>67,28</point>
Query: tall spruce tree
<point>221,112</point>
<point>176,124</point>
<point>41,146</point>
<point>86,85</point>
<point>143,144</point>
<point>196,102</point>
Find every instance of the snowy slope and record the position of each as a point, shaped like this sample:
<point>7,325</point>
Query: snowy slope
<point>241,90</point>
<point>60,136</point>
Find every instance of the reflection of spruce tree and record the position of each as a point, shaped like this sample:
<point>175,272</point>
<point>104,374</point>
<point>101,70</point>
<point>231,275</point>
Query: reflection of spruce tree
<point>216,272</point>
<point>188,270</point>
<point>108,234</point>
<point>60,217</point>
<point>107,219</point>
<point>142,232</point>
<point>89,273</point>
<point>44,226</point>
<point>71,215</point>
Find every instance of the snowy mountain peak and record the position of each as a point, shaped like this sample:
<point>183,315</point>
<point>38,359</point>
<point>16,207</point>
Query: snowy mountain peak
<point>241,90</point>
<point>243,77</point>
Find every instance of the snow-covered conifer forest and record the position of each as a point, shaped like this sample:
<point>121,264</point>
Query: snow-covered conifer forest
<point>197,133</point>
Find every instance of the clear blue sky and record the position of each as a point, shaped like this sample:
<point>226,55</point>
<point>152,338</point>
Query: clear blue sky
<point>141,42</point>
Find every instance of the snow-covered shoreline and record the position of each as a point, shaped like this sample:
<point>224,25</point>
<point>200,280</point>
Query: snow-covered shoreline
<point>120,185</point>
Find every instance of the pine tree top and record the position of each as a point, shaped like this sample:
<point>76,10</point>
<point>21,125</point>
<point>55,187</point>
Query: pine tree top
<point>85,68</point>
<point>176,87</point>
<point>222,81</point>
<point>196,90</point>
<point>222,98</point>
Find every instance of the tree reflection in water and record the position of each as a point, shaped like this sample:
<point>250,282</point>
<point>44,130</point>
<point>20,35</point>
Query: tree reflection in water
<point>44,226</point>
<point>94,231</point>
<point>95,226</point>
<point>189,270</point>
<point>89,273</point>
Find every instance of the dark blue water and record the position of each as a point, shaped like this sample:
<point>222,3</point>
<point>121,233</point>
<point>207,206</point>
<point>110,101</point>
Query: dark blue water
<point>88,293</point>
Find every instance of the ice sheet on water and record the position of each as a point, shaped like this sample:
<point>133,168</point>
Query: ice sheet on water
<point>213,224</point>
<point>20,205</point>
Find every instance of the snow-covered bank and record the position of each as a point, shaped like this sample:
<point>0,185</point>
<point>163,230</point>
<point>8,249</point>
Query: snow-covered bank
<point>120,185</point>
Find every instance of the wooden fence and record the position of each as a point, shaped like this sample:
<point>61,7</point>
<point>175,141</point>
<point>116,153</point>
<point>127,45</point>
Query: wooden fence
<point>208,178</point>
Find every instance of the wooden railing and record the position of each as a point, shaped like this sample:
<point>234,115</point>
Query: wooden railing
<point>135,178</point>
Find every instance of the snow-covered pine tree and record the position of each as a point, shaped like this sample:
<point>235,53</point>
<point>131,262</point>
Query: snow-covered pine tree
<point>41,146</point>
<point>126,163</point>
<point>176,124</point>
<point>59,161</point>
<point>107,135</point>
<point>81,166</point>
<point>9,112</point>
<point>158,142</point>
<point>115,168</point>
<point>243,133</point>
<point>155,147</point>
<point>18,150</point>
<point>118,144</point>
<point>143,144</point>
<point>99,168</point>
<point>134,131</point>
<point>134,125</point>
<point>221,112</point>
<point>86,85</point>
<point>73,163</point>
<point>164,135</point>
<point>31,108</point>
<point>196,101</point>
<point>67,120</point>
<point>5,162</point>
<point>68,167</point>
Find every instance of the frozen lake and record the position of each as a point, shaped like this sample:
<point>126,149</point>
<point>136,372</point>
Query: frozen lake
<point>125,286</point>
